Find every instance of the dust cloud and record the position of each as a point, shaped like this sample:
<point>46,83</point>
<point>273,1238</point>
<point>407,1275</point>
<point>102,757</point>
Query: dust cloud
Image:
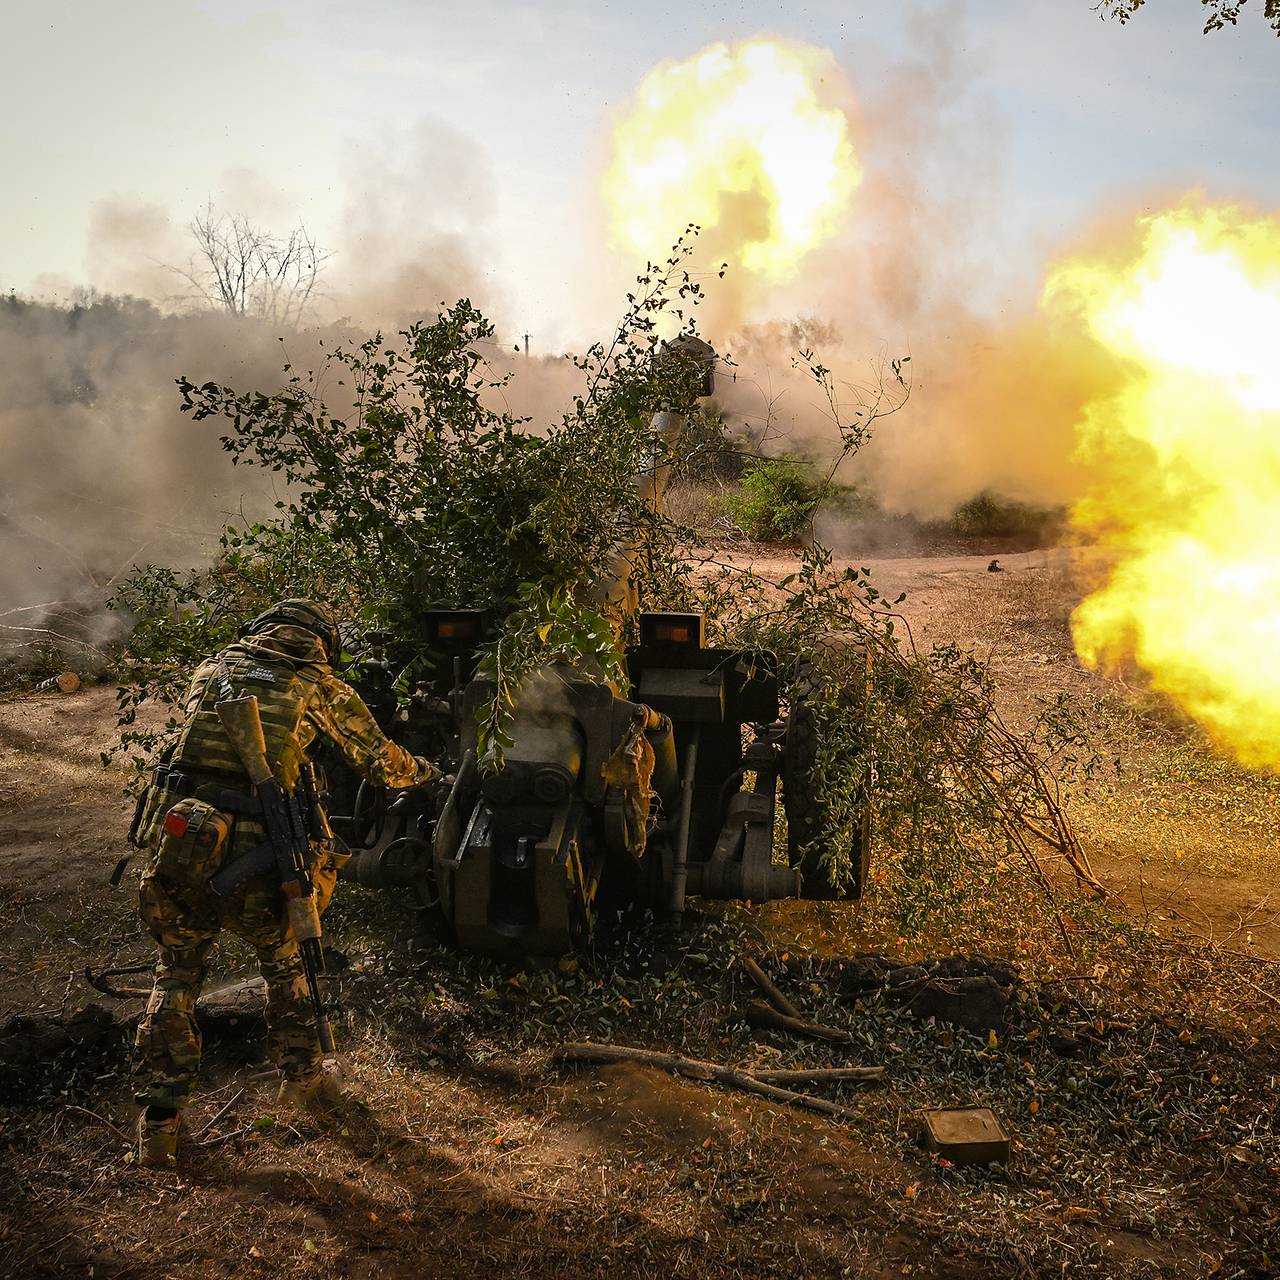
<point>101,470</point>
<point>414,229</point>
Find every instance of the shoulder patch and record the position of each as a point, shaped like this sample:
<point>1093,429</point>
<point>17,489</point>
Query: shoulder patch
<point>261,673</point>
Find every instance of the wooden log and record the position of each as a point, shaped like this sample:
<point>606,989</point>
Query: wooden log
<point>765,1016</point>
<point>67,682</point>
<point>697,1069</point>
<point>770,992</point>
<point>822,1075</point>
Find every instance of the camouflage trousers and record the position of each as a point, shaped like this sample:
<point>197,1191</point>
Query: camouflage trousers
<point>185,927</point>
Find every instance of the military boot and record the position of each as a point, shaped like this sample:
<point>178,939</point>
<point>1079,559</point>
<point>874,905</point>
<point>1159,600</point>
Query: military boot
<point>158,1138</point>
<point>323,1091</point>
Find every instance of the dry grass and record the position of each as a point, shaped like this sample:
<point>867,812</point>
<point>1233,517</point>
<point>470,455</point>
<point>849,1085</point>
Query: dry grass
<point>1139,1128</point>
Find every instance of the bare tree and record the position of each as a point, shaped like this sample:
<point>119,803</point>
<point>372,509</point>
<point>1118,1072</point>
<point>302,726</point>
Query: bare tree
<point>241,269</point>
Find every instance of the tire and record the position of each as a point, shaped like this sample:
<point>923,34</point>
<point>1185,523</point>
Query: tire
<point>806,813</point>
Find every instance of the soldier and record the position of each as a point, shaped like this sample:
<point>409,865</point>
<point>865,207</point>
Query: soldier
<point>284,657</point>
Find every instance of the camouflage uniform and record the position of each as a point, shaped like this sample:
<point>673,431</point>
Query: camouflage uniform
<point>300,699</point>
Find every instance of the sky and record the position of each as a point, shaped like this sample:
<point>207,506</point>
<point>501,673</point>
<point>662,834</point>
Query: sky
<point>491,120</point>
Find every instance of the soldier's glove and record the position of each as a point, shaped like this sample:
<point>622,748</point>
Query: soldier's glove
<point>427,771</point>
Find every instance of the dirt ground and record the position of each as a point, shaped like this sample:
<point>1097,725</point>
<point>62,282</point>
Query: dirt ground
<point>1145,1140</point>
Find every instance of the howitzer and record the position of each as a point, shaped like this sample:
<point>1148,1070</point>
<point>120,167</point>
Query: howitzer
<point>604,802</point>
<point>290,819</point>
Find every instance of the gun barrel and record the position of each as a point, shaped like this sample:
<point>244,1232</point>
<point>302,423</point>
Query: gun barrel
<point>616,590</point>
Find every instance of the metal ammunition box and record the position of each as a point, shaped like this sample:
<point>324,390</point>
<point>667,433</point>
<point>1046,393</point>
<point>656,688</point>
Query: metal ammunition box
<point>966,1135</point>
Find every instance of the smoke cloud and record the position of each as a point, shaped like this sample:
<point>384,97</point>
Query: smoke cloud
<point>414,229</point>
<point>101,469</point>
<point>995,392</point>
<point>133,250</point>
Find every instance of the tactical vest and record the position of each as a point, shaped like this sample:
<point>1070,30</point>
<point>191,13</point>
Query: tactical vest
<point>283,691</point>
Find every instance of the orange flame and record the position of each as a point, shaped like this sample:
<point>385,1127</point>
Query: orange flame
<point>1186,459</point>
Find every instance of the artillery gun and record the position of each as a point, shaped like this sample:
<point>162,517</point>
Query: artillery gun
<point>604,802</point>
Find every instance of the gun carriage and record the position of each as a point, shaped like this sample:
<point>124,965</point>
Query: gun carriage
<point>604,802</point>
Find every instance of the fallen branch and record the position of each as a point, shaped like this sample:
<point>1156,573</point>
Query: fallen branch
<point>696,1069</point>
<point>770,992</point>
<point>225,1137</point>
<point>235,1097</point>
<point>1253,986</point>
<point>762,1015</point>
<point>93,1115</point>
<point>100,980</point>
<point>821,1075</point>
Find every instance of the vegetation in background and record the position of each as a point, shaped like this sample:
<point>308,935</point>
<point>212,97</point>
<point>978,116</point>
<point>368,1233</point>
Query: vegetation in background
<point>990,515</point>
<point>759,504</point>
<point>245,270</point>
<point>413,491</point>
<point>1218,14</point>
<point>775,500</point>
<point>708,451</point>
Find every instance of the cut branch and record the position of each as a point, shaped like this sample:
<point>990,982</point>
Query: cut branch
<point>766,1017</point>
<point>771,993</point>
<point>697,1069</point>
<point>822,1075</point>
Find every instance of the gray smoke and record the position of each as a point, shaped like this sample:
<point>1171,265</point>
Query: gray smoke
<point>414,229</point>
<point>101,470</point>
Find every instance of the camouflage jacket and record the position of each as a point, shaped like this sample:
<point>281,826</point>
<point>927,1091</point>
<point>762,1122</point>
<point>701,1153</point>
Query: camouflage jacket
<point>300,700</point>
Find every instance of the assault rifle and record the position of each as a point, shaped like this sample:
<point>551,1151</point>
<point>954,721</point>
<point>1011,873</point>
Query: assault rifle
<point>290,819</point>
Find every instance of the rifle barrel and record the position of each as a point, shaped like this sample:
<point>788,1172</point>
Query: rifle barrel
<point>312,963</point>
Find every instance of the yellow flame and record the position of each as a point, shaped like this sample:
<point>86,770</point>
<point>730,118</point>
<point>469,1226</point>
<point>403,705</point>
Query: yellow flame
<point>734,138</point>
<point>1186,455</point>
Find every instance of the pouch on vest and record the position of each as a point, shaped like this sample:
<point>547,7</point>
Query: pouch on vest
<point>193,838</point>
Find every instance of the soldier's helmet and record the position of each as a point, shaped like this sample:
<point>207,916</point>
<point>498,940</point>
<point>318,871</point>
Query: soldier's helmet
<point>311,615</point>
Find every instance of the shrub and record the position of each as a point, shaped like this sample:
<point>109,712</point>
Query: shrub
<point>406,489</point>
<point>990,516</point>
<point>776,500</point>
<point>709,452</point>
